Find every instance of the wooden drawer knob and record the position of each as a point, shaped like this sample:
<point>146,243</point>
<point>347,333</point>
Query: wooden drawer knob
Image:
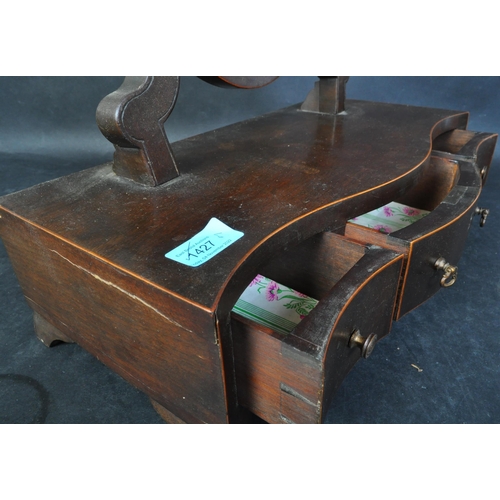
<point>366,344</point>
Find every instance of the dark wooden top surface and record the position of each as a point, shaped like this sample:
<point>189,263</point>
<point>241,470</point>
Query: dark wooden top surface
<point>259,176</point>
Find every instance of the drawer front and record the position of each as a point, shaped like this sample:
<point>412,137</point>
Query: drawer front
<point>433,244</point>
<point>438,239</point>
<point>424,274</point>
<point>348,323</point>
<point>292,378</point>
<point>436,243</point>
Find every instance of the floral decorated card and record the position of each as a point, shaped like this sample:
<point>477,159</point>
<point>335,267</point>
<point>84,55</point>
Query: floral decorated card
<point>273,305</point>
<point>390,218</point>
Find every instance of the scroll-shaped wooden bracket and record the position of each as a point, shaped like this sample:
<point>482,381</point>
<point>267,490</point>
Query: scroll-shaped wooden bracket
<point>327,96</point>
<point>133,118</point>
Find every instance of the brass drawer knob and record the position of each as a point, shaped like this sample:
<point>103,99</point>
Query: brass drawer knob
<point>367,344</point>
<point>484,171</point>
<point>449,272</point>
<point>483,212</point>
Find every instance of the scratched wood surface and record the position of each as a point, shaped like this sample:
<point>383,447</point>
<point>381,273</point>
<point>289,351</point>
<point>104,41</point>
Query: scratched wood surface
<point>124,322</point>
<point>279,179</point>
<point>97,241</point>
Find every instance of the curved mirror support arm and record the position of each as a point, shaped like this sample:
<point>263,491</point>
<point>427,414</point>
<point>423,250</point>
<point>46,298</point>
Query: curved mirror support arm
<point>133,118</point>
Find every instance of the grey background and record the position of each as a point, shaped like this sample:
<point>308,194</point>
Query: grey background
<point>47,129</point>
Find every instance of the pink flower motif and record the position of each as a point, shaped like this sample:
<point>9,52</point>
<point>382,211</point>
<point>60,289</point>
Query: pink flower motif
<point>256,280</point>
<point>272,291</point>
<point>382,229</point>
<point>411,211</point>
<point>388,212</point>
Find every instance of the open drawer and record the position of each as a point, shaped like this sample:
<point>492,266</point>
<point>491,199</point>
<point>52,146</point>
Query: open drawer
<point>292,377</point>
<point>448,190</point>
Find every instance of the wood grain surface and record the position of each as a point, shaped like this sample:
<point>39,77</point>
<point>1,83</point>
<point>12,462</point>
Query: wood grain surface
<point>89,249</point>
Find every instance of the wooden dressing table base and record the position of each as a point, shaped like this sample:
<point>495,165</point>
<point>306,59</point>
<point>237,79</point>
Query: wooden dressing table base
<point>89,251</point>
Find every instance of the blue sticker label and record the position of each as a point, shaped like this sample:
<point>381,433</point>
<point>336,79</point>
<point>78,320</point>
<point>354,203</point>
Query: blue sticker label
<point>206,244</point>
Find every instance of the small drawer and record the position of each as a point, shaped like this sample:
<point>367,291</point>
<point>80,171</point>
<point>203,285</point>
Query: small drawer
<point>292,377</point>
<point>477,147</point>
<point>448,190</point>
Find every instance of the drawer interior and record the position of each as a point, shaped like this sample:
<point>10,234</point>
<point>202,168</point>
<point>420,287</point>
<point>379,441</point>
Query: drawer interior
<point>314,266</point>
<point>308,271</point>
<point>438,179</point>
<point>291,377</point>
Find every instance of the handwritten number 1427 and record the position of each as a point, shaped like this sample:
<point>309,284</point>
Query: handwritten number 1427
<point>201,249</point>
